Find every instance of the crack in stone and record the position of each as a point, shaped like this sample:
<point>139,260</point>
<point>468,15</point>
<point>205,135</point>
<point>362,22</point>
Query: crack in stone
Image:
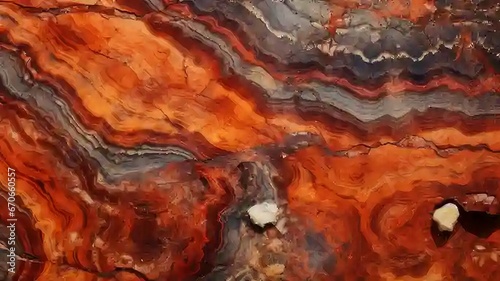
<point>414,142</point>
<point>78,9</point>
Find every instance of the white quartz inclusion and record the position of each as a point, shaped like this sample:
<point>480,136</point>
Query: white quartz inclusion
<point>263,213</point>
<point>446,217</point>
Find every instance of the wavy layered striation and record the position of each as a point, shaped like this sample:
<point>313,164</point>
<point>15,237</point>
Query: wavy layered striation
<point>141,132</point>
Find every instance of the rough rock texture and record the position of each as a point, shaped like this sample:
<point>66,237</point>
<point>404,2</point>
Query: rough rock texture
<point>142,131</point>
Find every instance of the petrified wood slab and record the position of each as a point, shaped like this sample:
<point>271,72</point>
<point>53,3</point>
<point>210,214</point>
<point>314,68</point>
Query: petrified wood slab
<point>141,132</point>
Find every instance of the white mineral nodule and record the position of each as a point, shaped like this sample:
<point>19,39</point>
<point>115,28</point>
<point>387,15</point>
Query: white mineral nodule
<point>446,217</point>
<point>263,213</point>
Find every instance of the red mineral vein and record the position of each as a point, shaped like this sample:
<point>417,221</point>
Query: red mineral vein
<point>178,101</point>
<point>485,83</point>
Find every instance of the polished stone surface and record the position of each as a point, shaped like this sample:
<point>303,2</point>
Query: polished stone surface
<point>142,131</point>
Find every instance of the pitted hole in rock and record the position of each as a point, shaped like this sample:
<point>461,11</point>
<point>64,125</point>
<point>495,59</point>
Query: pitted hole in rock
<point>247,177</point>
<point>204,181</point>
<point>147,238</point>
<point>481,201</point>
<point>481,214</point>
<point>479,223</point>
